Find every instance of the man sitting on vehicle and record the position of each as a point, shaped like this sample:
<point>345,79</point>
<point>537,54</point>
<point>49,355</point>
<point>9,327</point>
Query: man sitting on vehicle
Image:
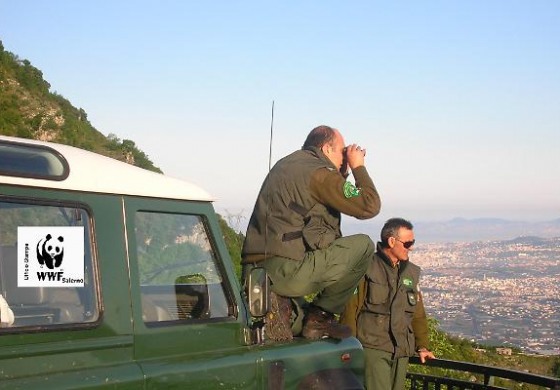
<point>294,232</point>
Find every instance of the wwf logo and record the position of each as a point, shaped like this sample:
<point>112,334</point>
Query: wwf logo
<point>50,251</point>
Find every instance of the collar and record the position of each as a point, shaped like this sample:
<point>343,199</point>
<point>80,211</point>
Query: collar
<point>401,265</point>
<point>317,152</point>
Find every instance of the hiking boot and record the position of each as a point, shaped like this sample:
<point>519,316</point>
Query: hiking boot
<point>278,319</point>
<point>320,324</point>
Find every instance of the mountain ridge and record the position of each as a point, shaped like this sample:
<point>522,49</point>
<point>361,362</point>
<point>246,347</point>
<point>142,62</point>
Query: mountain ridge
<point>461,229</point>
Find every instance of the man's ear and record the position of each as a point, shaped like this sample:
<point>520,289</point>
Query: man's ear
<point>391,242</point>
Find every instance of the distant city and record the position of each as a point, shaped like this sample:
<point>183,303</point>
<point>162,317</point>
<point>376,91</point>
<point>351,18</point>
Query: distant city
<point>499,293</point>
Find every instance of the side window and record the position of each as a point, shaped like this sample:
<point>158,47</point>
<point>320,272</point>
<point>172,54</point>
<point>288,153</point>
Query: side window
<point>179,275</point>
<point>43,282</point>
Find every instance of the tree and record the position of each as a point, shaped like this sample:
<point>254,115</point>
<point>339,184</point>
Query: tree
<point>556,368</point>
<point>234,243</point>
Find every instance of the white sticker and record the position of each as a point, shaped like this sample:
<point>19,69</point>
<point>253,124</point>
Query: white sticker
<point>50,256</point>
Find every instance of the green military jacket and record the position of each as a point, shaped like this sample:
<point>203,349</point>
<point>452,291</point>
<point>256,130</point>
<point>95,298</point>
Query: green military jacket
<point>299,206</point>
<point>387,312</point>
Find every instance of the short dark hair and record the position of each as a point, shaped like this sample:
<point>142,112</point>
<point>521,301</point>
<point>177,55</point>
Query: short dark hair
<point>391,229</point>
<point>319,136</point>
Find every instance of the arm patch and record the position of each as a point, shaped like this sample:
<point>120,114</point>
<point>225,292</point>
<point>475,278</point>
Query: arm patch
<point>350,190</point>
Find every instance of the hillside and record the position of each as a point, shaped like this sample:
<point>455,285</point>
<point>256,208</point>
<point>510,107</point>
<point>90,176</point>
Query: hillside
<point>453,348</point>
<point>28,109</point>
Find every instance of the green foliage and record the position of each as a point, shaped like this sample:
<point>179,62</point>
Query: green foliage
<point>234,243</point>
<point>453,348</point>
<point>442,347</point>
<point>14,215</point>
<point>556,367</point>
<point>439,341</point>
<point>173,247</point>
<point>29,110</point>
<point>31,78</point>
<point>161,267</point>
<point>126,150</point>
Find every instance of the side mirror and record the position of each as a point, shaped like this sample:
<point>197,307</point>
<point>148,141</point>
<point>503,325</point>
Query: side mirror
<point>258,292</point>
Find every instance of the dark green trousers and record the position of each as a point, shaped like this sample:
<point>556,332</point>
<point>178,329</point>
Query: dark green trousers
<point>383,372</point>
<point>333,272</point>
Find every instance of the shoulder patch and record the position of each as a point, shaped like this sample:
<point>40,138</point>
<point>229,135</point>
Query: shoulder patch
<point>350,190</point>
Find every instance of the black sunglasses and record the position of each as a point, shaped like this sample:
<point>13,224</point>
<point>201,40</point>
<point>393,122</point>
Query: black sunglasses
<point>406,244</point>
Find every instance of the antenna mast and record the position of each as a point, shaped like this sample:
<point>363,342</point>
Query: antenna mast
<point>270,145</point>
<point>268,189</point>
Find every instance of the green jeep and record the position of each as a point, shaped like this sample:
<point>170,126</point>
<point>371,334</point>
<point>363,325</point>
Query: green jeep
<point>112,276</point>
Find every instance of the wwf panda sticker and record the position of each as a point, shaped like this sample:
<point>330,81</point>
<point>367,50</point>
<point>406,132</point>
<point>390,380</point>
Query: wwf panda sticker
<point>50,256</point>
<point>50,251</point>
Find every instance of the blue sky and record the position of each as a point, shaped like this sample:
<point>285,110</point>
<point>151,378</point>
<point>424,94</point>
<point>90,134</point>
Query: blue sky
<point>457,102</point>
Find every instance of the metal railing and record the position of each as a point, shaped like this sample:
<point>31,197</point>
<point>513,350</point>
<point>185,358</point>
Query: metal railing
<point>429,382</point>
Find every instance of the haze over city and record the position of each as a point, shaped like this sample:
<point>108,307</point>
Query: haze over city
<point>455,102</point>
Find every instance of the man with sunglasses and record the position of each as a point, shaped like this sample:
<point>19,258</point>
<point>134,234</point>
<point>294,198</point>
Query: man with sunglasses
<point>387,313</point>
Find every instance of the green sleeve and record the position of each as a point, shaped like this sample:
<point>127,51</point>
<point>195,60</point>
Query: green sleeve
<point>420,325</point>
<point>353,307</point>
<point>327,186</point>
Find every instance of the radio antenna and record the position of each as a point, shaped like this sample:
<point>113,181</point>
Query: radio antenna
<point>271,132</point>
<point>261,330</point>
<point>268,189</point>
